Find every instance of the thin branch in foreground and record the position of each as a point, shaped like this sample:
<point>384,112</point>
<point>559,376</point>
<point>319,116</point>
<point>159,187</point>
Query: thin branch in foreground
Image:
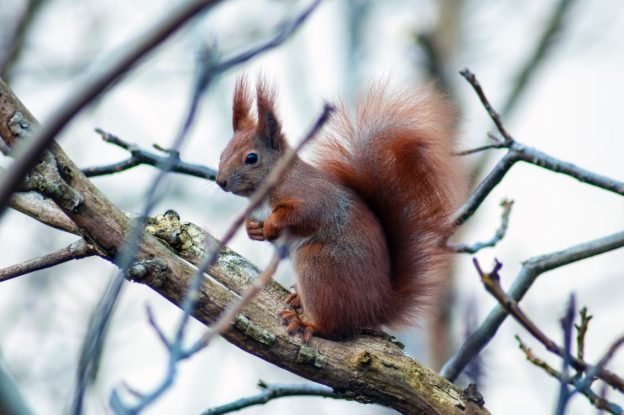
<point>151,318</point>
<point>209,68</point>
<point>27,154</point>
<point>191,296</point>
<point>567,325</point>
<point>491,282</point>
<point>77,250</point>
<point>531,269</point>
<point>141,156</point>
<point>596,400</point>
<point>498,236</point>
<point>271,392</point>
<point>177,352</point>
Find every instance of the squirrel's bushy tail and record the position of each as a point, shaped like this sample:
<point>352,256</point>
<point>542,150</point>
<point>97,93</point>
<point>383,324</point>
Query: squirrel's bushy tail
<point>397,155</point>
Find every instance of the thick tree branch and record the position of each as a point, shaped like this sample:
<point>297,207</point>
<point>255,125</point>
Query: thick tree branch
<point>369,367</point>
<point>77,250</point>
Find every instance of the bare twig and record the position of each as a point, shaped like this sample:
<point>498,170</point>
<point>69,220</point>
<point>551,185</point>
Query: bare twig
<point>531,269</point>
<point>472,79</point>
<point>597,400</point>
<point>567,325</point>
<point>28,154</point>
<point>498,236</point>
<point>531,357</point>
<point>491,282</point>
<point>581,332</point>
<point>517,151</point>
<point>141,156</point>
<point>274,391</point>
<point>595,370</point>
<point>480,149</point>
<point>77,250</point>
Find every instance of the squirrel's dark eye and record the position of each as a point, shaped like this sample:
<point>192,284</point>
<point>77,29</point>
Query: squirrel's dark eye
<point>251,158</point>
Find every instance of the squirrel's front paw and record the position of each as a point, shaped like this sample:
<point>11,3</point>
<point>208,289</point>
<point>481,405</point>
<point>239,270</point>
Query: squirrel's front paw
<point>255,229</point>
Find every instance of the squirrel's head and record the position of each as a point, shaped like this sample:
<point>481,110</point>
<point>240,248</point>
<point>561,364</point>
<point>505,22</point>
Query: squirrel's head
<point>256,145</point>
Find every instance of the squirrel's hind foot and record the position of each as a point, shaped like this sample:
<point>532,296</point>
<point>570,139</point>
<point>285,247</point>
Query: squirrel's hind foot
<point>294,323</point>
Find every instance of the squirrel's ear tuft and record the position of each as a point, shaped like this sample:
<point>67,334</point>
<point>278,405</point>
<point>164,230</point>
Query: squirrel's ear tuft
<point>269,126</point>
<point>241,109</point>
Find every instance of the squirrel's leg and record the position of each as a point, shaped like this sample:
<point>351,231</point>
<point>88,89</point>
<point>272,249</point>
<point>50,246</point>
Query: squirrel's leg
<point>293,299</point>
<point>254,229</point>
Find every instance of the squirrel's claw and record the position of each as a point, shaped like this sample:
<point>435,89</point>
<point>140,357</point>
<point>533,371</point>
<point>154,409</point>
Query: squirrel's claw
<point>294,323</point>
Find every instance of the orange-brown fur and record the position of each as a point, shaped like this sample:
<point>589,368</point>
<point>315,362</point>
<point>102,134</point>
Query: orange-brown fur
<point>368,215</point>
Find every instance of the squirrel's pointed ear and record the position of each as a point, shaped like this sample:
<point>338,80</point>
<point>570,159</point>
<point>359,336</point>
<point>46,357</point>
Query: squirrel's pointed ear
<point>241,109</point>
<point>269,126</point>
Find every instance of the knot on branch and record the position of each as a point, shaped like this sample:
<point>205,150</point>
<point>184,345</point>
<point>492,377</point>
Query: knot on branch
<point>46,179</point>
<point>149,272</point>
<point>472,394</point>
<point>185,238</point>
<point>18,124</point>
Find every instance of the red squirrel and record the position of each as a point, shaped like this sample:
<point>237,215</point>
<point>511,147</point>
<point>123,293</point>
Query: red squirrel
<point>367,217</point>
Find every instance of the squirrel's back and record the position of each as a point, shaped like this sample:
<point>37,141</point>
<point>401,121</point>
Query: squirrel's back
<point>396,154</point>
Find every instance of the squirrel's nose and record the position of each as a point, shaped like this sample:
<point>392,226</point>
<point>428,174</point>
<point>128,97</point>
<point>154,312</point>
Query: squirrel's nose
<point>222,183</point>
